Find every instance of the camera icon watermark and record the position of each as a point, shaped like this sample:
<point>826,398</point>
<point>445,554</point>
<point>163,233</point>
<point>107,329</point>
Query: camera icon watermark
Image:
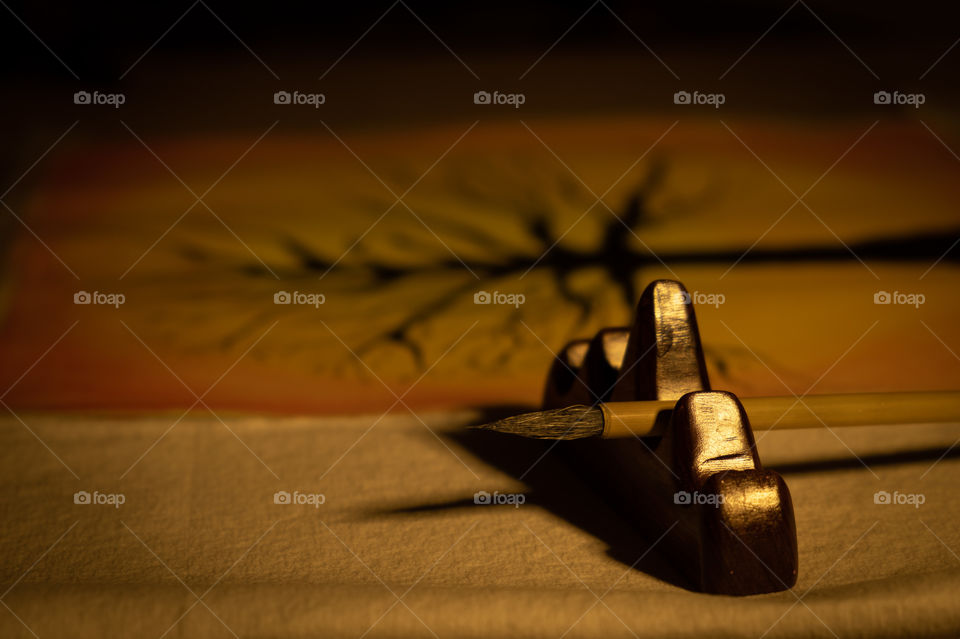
<point>900,99</point>
<point>883,498</point>
<point>298,98</point>
<point>498,298</point>
<point>696,498</point>
<point>298,298</point>
<point>898,298</point>
<point>109,99</point>
<point>698,98</point>
<point>84,498</point>
<point>97,298</point>
<point>512,99</point>
<point>483,498</point>
<point>297,498</point>
<point>704,299</point>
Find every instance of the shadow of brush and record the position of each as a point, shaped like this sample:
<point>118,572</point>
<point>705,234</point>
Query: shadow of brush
<point>551,483</point>
<point>927,454</point>
<point>549,472</point>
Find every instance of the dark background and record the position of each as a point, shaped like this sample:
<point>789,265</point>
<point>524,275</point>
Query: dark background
<point>400,69</point>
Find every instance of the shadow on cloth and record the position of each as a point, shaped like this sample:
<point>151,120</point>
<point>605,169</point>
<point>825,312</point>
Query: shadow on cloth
<point>928,454</point>
<point>553,485</point>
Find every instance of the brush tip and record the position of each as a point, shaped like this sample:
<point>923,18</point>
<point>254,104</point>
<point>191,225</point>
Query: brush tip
<point>571,422</point>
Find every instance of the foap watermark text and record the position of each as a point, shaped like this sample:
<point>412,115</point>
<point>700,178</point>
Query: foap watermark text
<point>298,298</point>
<point>483,498</point>
<point>298,98</point>
<point>297,498</point>
<point>698,98</point>
<point>696,498</point>
<point>98,98</point>
<point>704,299</point>
<point>511,99</point>
<point>99,298</point>
<point>508,299</point>
<point>897,498</point>
<point>96,498</point>
<point>900,99</point>
<point>898,298</point>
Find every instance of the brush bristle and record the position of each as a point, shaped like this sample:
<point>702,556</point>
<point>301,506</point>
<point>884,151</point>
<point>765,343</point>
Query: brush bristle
<point>572,422</point>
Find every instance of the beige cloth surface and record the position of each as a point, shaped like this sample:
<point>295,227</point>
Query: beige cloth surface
<point>399,548</point>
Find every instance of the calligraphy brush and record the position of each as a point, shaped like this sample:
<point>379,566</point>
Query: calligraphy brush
<point>650,418</point>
